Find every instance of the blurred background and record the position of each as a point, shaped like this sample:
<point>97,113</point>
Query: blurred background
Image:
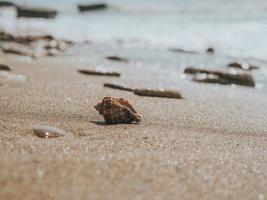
<point>232,27</point>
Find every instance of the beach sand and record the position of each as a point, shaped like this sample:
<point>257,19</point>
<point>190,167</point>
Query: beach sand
<point>210,145</point>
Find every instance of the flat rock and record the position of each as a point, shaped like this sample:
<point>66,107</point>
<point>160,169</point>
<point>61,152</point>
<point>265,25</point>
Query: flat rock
<point>119,87</point>
<point>158,93</point>
<point>99,72</point>
<point>48,132</point>
<point>117,58</point>
<point>35,12</point>
<point>92,7</point>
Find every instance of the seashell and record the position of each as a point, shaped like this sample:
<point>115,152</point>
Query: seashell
<point>114,86</point>
<point>117,110</point>
<point>158,93</point>
<point>48,132</point>
<point>99,73</point>
<point>117,58</point>
<point>4,67</point>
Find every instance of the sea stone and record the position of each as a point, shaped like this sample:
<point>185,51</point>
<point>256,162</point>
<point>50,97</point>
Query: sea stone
<point>48,132</point>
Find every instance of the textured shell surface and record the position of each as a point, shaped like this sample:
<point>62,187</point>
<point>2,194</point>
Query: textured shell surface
<point>117,110</point>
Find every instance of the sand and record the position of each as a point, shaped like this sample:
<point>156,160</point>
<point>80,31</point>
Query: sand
<point>211,145</point>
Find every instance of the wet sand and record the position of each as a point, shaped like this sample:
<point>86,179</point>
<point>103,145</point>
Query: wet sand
<point>210,145</point>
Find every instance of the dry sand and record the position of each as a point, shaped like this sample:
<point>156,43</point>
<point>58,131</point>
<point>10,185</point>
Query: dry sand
<point>211,145</point>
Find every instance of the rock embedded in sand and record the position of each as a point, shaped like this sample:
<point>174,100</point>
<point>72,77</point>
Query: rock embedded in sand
<point>4,67</point>
<point>36,12</point>
<point>92,7</point>
<point>221,77</point>
<point>243,66</point>
<point>48,132</point>
<point>119,87</point>
<point>117,58</point>
<point>117,110</point>
<point>158,93</point>
<point>99,73</point>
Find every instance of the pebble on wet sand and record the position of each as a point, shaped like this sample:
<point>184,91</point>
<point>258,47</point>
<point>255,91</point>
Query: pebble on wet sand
<point>4,67</point>
<point>158,93</point>
<point>92,7</point>
<point>99,73</point>
<point>48,132</point>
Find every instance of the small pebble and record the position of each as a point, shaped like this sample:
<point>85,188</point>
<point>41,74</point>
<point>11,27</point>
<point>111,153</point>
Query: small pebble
<point>48,132</point>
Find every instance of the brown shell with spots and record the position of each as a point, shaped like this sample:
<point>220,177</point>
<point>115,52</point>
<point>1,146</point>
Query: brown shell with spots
<point>117,110</point>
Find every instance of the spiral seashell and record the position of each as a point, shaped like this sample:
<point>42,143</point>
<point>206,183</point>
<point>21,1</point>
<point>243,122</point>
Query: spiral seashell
<point>117,110</point>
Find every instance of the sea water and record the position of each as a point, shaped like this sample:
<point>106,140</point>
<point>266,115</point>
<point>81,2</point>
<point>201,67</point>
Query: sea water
<point>232,27</point>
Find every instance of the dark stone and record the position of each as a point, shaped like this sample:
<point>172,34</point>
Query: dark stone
<point>4,67</point>
<point>114,86</point>
<point>7,4</point>
<point>36,12</point>
<point>92,7</point>
<point>210,50</point>
<point>99,73</point>
<point>117,58</point>
<point>7,37</point>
